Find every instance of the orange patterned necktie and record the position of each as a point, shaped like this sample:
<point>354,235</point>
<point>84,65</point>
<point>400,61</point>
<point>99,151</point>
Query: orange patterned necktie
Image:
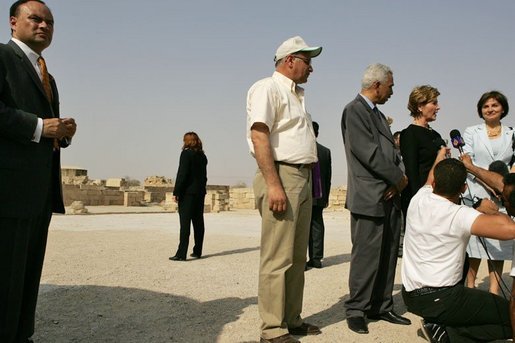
<point>45,79</point>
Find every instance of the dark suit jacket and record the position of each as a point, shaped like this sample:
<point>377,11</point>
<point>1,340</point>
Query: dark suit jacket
<point>373,163</point>
<point>192,173</point>
<point>324,158</point>
<point>29,172</point>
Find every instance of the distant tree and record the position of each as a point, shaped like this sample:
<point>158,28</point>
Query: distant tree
<point>239,184</point>
<point>131,182</point>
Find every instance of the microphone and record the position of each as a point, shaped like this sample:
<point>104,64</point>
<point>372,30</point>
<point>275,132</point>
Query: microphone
<point>457,140</point>
<point>458,143</point>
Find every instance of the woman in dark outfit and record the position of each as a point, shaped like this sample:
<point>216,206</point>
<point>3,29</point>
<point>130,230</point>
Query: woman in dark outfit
<point>189,193</point>
<point>419,142</point>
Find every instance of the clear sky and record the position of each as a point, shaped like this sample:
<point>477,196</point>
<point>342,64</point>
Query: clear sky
<point>137,75</point>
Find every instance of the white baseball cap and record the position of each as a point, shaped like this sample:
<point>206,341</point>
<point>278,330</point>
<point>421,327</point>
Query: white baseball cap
<point>296,44</point>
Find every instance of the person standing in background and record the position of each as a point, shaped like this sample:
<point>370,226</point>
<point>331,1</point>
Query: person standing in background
<point>281,138</point>
<point>321,189</point>
<point>31,135</point>
<point>189,192</point>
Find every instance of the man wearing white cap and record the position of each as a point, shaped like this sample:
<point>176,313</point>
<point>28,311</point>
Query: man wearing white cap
<point>281,138</point>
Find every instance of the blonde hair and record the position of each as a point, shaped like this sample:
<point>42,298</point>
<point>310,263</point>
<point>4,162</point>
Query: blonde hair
<point>419,96</point>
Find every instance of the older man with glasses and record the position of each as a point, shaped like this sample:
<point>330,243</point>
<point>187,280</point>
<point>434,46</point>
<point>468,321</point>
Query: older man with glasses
<point>281,138</point>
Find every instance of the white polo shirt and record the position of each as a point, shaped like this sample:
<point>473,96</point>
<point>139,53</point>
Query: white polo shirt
<point>279,103</point>
<point>437,234</point>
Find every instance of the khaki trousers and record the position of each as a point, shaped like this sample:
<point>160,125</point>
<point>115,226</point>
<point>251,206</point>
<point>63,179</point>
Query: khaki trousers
<point>284,240</point>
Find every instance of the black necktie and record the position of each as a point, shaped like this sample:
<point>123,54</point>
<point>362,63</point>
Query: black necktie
<point>381,117</point>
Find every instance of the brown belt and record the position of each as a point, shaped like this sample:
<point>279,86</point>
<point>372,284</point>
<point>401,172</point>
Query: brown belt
<point>298,166</point>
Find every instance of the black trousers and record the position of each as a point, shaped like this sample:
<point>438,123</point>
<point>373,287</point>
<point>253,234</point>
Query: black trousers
<point>22,251</point>
<point>191,211</point>
<point>469,315</point>
<point>316,234</point>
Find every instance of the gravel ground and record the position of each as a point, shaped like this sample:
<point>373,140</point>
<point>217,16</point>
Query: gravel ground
<point>107,278</point>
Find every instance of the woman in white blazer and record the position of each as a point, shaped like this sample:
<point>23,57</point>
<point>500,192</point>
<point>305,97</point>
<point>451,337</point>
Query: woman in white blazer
<point>485,143</point>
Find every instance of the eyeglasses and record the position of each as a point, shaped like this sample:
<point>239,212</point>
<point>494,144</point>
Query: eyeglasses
<point>305,60</point>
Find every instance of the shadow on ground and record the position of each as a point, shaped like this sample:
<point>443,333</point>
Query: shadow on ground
<point>336,313</point>
<point>232,252</point>
<point>336,259</point>
<point>117,314</point>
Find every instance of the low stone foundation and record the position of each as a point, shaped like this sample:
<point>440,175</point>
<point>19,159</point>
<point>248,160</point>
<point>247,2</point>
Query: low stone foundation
<point>218,198</point>
<point>243,198</point>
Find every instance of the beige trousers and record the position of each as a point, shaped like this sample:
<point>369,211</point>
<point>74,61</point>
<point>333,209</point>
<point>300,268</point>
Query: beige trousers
<point>284,240</point>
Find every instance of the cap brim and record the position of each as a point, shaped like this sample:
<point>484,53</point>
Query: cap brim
<point>313,52</point>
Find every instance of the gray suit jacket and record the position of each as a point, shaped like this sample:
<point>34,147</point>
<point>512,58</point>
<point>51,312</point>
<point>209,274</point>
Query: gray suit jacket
<point>373,163</point>
<point>30,173</point>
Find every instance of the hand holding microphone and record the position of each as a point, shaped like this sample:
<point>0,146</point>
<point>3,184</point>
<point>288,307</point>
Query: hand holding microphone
<point>457,140</point>
<point>458,143</point>
<point>442,144</point>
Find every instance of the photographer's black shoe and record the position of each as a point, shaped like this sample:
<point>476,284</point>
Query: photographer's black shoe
<point>434,333</point>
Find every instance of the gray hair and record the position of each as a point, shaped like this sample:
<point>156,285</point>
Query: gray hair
<point>376,72</point>
<point>278,62</point>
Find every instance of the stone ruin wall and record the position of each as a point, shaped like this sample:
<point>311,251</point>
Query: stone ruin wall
<point>158,190</point>
<point>218,198</point>
<point>243,198</point>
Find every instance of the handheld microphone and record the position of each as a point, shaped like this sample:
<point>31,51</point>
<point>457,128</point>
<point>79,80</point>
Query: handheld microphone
<point>457,140</point>
<point>458,143</point>
<point>441,143</point>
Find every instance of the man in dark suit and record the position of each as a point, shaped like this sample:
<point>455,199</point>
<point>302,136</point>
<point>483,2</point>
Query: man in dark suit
<point>375,180</point>
<point>321,188</point>
<point>31,134</point>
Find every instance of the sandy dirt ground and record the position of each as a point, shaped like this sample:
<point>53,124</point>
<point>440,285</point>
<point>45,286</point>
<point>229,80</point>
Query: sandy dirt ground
<point>107,278</point>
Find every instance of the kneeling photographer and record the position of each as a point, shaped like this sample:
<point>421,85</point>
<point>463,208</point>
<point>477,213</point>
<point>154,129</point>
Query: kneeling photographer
<point>438,229</point>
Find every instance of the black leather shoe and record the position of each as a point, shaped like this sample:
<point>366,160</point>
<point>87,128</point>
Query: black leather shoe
<point>357,324</point>
<point>391,317</point>
<point>305,329</point>
<point>176,258</point>
<point>195,255</point>
<point>434,333</point>
<point>281,339</point>
<point>315,264</point>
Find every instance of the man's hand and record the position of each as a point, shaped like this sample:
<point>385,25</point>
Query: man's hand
<point>277,199</point>
<point>390,193</point>
<point>396,189</point>
<point>59,128</point>
<point>487,206</point>
<point>467,161</point>
<point>402,184</point>
<point>71,126</point>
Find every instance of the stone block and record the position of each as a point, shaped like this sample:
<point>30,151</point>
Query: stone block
<point>115,183</point>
